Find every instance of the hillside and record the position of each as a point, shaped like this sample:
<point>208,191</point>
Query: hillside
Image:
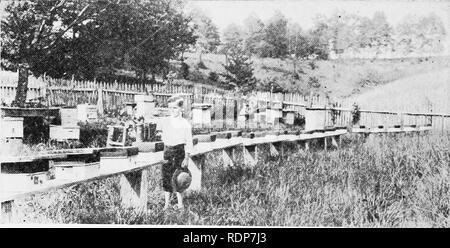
<point>413,93</point>
<point>339,78</point>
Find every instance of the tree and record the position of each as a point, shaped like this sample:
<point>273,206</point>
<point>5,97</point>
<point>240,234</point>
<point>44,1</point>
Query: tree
<point>207,33</point>
<point>374,33</point>
<point>232,37</point>
<point>275,36</point>
<point>420,35</point>
<point>239,71</point>
<point>35,32</point>
<point>254,33</point>
<point>86,38</point>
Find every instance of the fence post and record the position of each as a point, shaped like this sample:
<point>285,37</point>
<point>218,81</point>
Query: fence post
<point>100,101</point>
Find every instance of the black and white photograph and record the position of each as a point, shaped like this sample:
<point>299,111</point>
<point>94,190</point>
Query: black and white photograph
<point>222,114</point>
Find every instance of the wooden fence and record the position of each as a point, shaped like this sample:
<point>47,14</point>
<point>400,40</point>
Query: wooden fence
<point>226,105</point>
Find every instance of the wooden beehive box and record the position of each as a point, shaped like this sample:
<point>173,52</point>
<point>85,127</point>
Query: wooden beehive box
<point>62,133</point>
<point>76,169</point>
<point>69,117</point>
<point>201,115</point>
<point>145,106</point>
<point>315,119</point>
<point>289,116</point>
<point>23,175</point>
<point>11,128</point>
<point>87,112</point>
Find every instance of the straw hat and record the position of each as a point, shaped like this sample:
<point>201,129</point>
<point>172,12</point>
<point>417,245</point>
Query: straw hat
<point>181,179</point>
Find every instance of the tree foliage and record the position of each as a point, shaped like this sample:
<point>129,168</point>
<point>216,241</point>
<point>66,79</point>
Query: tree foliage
<point>206,31</point>
<point>239,70</point>
<point>424,34</point>
<point>86,38</point>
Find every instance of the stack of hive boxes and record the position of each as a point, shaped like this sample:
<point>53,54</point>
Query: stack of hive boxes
<point>69,129</point>
<point>11,130</point>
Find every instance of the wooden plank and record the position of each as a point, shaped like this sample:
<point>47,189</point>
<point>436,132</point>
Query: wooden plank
<point>143,161</point>
<point>133,189</point>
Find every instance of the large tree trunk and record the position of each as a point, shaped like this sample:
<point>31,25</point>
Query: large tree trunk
<point>22,86</point>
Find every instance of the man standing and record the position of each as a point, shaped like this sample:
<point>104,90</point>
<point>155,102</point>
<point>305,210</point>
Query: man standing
<point>177,138</point>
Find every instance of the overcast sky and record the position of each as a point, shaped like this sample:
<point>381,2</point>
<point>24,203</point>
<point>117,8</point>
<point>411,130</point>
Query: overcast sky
<point>303,11</point>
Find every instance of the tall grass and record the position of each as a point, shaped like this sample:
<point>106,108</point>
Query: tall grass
<point>385,181</point>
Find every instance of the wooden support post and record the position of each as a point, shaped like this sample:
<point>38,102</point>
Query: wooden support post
<point>307,145</point>
<point>227,157</point>
<point>334,142</point>
<point>195,166</point>
<point>279,147</point>
<point>325,143</point>
<point>100,101</point>
<point>133,189</point>
<point>250,159</point>
<point>8,213</point>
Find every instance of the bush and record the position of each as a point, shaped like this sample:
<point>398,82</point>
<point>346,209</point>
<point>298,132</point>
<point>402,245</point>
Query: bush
<point>356,114</point>
<point>201,65</point>
<point>371,78</point>
<point>312,64</point>
<point>93,134</point>
<point>313,82</point>
<point>184,70</point>
<point>213,76</point>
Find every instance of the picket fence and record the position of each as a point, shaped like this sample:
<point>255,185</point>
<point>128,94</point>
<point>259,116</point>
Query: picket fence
<point>226,105</point>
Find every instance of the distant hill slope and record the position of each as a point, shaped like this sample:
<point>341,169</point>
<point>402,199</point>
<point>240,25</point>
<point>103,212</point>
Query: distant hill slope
<point>339,78</point>
<point>413,93</point>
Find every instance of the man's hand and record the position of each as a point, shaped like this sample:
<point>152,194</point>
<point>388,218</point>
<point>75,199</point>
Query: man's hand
<point>185,163</point>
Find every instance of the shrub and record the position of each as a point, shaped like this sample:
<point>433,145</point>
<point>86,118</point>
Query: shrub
<point>312,65</point>
<point>184,70</point>
<point>213,76</point>
<point>356,114</point>
<point>201,65</point>
<point>371,78</point>
<point>313,82</point>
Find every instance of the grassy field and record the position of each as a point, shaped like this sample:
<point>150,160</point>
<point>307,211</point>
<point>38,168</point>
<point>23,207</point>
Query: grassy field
<point>414,93</point>
<point>386,181</point>
<point>338,78</point>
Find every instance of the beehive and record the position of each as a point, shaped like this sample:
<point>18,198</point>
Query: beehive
<point>62,133</point>
<point>76,169</point>
<point>87,112</point>
<point>69,117</point>
<point>11,128</point>
<point>145,106</point>
<point>201,115</point>
<point>289,116</point>
<point>314,119</point>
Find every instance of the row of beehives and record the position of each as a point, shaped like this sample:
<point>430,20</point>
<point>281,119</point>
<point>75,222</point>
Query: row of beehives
<point>28,173</point>
<point>12,128</point>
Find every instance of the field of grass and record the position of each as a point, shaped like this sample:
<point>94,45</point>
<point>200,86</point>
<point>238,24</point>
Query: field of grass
<point>385,181</point>
<point>420,93</point>
<point>338,78</point>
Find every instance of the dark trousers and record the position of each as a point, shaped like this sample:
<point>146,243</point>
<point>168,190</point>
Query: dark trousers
<point>174,156</point>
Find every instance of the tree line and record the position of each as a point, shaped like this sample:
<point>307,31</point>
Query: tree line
<point>279,37</point>
<point>93,38</point>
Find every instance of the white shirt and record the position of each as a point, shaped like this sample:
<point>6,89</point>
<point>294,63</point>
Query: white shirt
<point>175,131</point>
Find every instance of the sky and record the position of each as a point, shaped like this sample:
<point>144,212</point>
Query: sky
<point>303,11</point>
